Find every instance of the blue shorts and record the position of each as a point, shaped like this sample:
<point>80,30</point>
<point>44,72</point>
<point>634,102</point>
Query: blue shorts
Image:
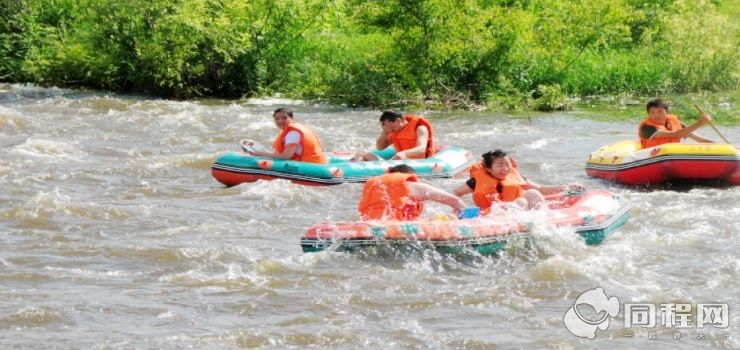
<point>386,153</point>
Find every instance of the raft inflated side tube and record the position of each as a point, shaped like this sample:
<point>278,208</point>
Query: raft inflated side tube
<point>234,168</point>
<point>628,163</point>
<point>593,215</point>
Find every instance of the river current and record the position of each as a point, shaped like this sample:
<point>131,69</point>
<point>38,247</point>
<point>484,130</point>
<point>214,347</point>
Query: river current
<point>113,234</point>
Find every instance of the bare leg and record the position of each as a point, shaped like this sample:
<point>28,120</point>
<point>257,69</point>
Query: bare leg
<point>359,156</point>
<point>370,156</point>
<point>364,156</point>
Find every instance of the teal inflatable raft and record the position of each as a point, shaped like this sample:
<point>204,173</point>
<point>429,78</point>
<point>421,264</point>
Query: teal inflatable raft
<point>234,168</point>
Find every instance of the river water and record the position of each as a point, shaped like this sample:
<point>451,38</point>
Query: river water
<point>113,234</point>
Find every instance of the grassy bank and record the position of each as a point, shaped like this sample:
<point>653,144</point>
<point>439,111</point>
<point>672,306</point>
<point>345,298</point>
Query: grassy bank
<point>720,105</point>
<point>500,53</point>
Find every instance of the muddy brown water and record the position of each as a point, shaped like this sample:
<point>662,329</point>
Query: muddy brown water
<point>113,234</point>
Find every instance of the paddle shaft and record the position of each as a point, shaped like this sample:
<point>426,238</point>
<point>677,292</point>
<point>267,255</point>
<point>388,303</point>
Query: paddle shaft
<point>714,126</point>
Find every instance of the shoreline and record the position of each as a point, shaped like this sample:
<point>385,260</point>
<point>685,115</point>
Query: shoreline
<point>630,106</point>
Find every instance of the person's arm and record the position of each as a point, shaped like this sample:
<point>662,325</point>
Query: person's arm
<point>464,188</point>
<point>291,142</point>
<point>422,137</point>
<point>647,131</point>
<point>544,189</point>
<point>685,132</point>
<point>288,152</point>
<point>424,191</point>
<point>552,189</point>
<point>383,140</point>
<point>694,136</point>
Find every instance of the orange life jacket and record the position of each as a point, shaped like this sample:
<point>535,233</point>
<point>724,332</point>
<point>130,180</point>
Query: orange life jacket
<point>487,187</point>
<point>406,137</point>
<point>310,145</point>
<point>387,197</point>
<point>671,124</point>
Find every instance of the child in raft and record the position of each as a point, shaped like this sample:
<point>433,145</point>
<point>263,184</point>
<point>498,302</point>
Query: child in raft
<point>660,127</point>
<point>496,179</point>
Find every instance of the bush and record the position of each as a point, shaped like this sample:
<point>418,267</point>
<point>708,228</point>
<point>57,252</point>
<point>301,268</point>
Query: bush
<point>373,53</point>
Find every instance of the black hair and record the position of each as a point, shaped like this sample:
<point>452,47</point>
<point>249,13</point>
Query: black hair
<point>287,111</point>
<point>490,156</point>
<point>659,103</point>
<point>390,116</point>
<point>402,168</point>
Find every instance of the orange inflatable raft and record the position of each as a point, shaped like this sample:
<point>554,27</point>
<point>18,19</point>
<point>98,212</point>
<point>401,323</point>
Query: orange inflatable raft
<point>593,215</point>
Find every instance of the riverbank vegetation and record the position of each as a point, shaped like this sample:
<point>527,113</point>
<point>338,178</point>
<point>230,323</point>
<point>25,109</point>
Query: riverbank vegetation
<point>462,53</point>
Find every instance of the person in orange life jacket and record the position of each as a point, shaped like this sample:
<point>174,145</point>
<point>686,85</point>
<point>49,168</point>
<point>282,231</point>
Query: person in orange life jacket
<point>398,195</point>
<point>660,127</point>
<point>295,141</point>
<point>496,179</point>
<point>412,137</point>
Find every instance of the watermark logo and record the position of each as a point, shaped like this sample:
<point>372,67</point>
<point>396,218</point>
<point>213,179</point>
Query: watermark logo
<point>675,317</point>
<point>584,327</point>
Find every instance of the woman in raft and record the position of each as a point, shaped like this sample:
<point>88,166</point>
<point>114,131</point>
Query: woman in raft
<point>496,179</point>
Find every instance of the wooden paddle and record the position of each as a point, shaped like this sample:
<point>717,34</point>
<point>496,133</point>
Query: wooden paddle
<point>714,126</point>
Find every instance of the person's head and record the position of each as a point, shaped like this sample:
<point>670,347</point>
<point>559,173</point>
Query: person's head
<point>392,121</point>
<point>401,168</point>
<point>283,117</point>
<point>657,110</point>
<point>497,163</point>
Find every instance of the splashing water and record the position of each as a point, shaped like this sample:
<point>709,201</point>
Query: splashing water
<point>114,235</point>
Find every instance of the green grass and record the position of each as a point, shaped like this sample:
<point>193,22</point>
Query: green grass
<point>722,106</point>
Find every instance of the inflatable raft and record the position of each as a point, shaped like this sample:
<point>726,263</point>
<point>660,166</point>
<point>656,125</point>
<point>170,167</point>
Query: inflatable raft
<point>627,163</point>
<point>234,168</point>
<point>593,214</point>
